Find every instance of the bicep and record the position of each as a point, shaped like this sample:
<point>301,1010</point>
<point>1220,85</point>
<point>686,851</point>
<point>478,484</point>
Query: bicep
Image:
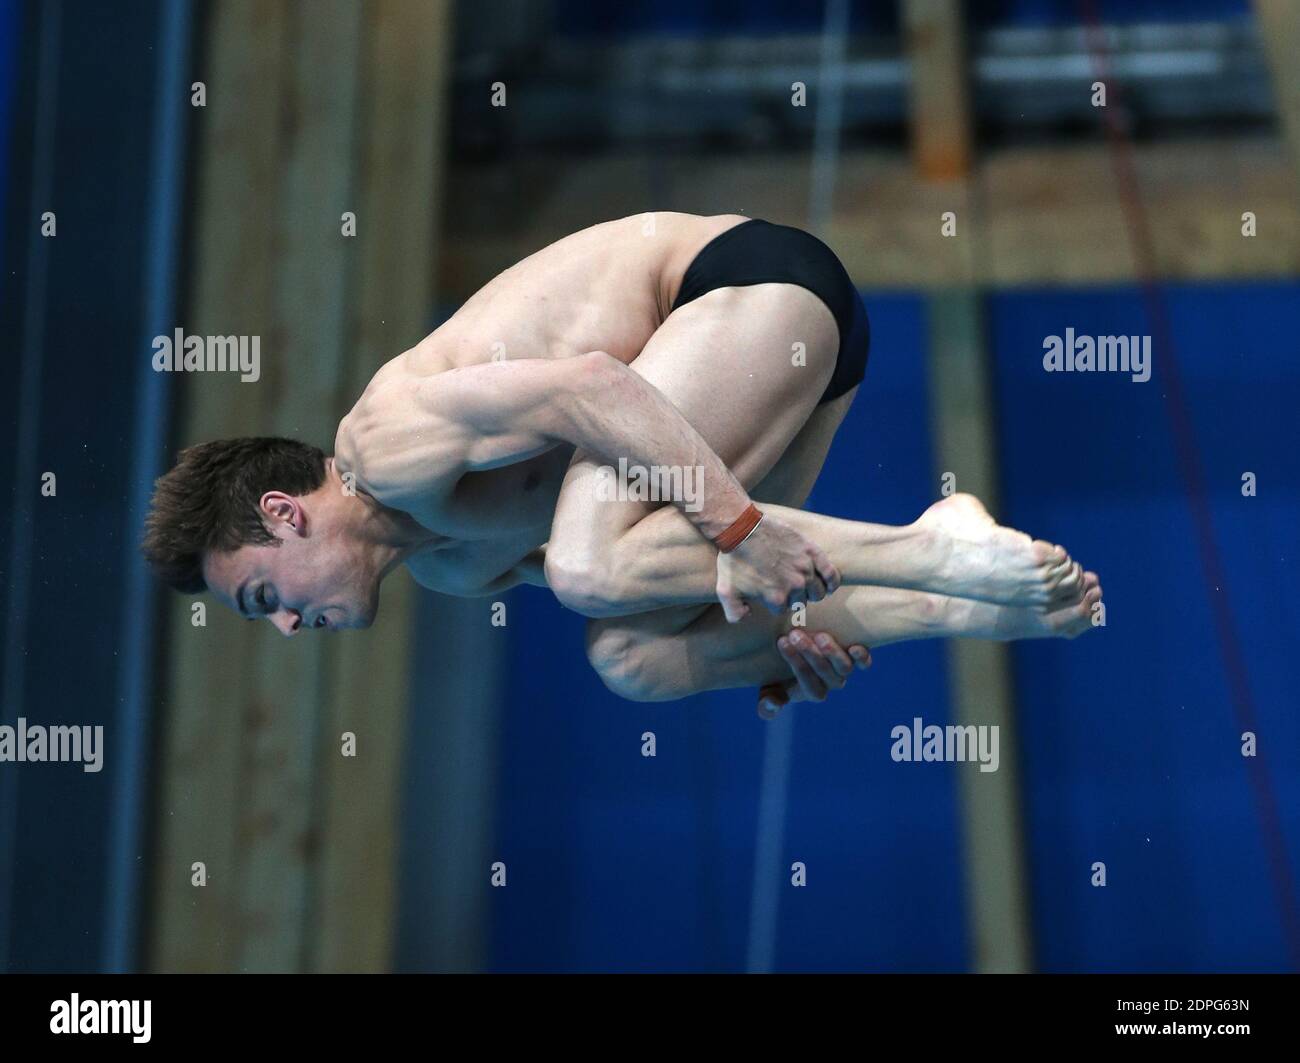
<point>413,437</point>
<point>504,412</point>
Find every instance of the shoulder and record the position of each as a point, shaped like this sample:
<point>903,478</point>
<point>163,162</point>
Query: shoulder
<point>394,448</point>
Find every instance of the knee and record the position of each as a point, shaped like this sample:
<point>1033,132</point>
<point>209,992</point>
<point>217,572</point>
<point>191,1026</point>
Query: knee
<point>629,664</point>
<point>582,580</point>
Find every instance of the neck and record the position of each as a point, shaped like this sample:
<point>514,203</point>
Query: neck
<point>392,534</point>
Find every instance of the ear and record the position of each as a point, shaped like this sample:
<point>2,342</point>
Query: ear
<point>284,510</point>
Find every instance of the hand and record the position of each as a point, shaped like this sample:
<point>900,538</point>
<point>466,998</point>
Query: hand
<point>818,664</point>
<point>776,566</point>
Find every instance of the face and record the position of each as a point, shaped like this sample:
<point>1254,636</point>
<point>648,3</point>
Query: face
<point>319,576</point>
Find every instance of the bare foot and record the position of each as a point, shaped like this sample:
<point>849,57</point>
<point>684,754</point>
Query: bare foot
<point>1007,622</point>
<point>980,559</point>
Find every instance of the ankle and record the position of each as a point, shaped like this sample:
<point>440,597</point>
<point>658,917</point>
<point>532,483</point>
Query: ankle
<point>977,620</point>
<point>932,547</point>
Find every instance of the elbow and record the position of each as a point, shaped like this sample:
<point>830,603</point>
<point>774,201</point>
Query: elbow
<point>583,582</point>
<point>602,366</point>
<point>583,392</point>
<point>597,381</point>
<point>631,663</point>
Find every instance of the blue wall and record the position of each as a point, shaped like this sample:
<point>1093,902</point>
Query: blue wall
<point>628,863</point>
<point>1131,749</point>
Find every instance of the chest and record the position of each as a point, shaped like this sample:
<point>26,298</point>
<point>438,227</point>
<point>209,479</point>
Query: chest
<point>470,569</point>
<point>506,503</point>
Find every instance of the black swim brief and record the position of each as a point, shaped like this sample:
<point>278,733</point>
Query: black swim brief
<point>758,252</point>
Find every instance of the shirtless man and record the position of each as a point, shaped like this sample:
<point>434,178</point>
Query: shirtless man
<point>483,457</point>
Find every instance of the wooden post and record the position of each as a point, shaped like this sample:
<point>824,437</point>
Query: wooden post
<point>1278,22</point>
<point>959,371</point>
<point>982,692</point>
<point>940,90</point>
<point>211,693</point>
<point>397,194</point>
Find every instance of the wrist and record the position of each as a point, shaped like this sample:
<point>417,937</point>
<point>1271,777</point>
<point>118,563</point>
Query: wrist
<point>721,499</point>
<point>739,530</point>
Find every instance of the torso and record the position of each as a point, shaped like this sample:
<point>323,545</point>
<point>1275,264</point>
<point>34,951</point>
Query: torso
<point>606,288</point>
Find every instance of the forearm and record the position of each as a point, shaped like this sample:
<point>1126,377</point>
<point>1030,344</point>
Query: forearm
<point>618,415</point>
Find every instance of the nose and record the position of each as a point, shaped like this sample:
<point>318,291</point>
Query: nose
<point>287,621</point>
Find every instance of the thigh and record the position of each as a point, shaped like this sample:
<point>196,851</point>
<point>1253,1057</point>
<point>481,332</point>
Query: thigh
<point>791,480</point>
<point>787,484</point>
<point>745,366</point>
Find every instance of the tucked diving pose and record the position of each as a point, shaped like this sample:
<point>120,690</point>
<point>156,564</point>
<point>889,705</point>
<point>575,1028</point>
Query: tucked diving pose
<point>714,354</point>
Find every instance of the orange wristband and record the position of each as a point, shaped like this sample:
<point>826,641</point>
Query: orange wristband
<point>740,530</point>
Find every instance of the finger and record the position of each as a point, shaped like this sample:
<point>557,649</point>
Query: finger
<point>829,574</point>
<point>861,656</point>
<point>811,688</point>
<point>733,606</point>
<point>815,590</point>
<point>792,657</point>
<point>772,698</point>
<point>816,660</point>
<point>823,668</point>
<point>834,653</point>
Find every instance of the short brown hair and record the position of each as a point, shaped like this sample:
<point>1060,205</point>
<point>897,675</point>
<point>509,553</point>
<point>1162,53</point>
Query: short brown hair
<point>210,501</point>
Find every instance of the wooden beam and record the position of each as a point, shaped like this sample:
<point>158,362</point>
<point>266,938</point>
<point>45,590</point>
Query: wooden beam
<point>1047,215</point>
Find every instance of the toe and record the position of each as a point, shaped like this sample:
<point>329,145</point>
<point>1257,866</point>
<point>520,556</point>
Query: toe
<point>1048,553</point>
<point>1067,584</point>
